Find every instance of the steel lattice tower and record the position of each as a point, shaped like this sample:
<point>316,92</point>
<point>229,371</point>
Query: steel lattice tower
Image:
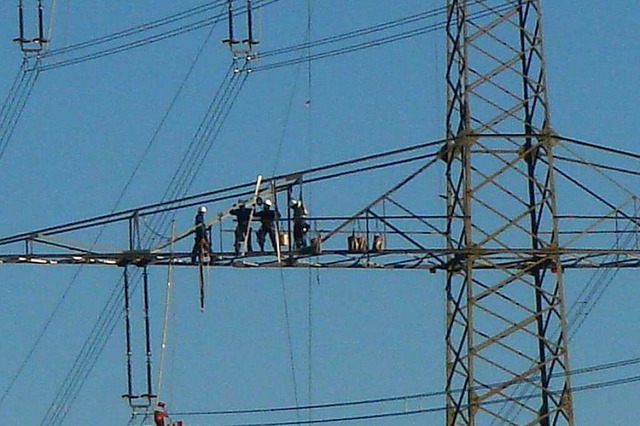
<point>507,359</point>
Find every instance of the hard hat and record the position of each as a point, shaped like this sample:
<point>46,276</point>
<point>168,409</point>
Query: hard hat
<point>294,203</point>
<point>268,203</point>
<point>202,209</point>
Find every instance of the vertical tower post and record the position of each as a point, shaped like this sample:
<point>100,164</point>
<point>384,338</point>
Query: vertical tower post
<point>127,324</point>
<point>506,340</point>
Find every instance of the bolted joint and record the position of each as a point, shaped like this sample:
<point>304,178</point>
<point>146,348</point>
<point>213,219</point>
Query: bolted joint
<point>453,149</point>
<point>548,138</point>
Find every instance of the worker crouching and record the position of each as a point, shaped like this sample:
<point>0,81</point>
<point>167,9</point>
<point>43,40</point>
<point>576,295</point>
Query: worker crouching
<point>160,416</point>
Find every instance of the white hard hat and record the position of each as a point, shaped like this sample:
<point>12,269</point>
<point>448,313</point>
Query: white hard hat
<point>294,203</point>
<point>268,203</point>
<point>202,209</point>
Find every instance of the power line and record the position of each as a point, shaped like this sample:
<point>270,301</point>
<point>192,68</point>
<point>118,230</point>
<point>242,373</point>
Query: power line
<point>423,395</point>
<point>137,29</point>
<point>192,200</point>
<point>405,413</point>
<point>16,102</point>
<point>362,45</point>
<point>95,343</point>
<point>217,195</point>
<point>107,321</point>
<point>599,147</point>
<point>156,132</point>
<point>202,142</point>
<point>105,325</point>
<point>356,33</point>
<point>174,32</point>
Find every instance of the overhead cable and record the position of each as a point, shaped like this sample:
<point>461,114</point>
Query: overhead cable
<point>15,102</point>
<point>106,323</point>
<point>137,29</point>
<point>405,413</point>
<point>148,40</point>
<point>195,199</point>
<point>367,44</point>
<point>579,371</point>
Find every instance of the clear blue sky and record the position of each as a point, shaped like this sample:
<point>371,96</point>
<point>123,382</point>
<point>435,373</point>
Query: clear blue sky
<point>375,333</point>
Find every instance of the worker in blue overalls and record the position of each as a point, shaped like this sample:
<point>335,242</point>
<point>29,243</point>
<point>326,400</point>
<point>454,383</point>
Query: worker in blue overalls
<point>243,229</point>
<point>267,219</point>
<point>300,225</point>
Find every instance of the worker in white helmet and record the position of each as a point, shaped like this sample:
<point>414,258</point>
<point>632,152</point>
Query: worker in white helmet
<point>243,229</point>
<point>201,241</point>
<point>300,225</point>
<point>267,218</point>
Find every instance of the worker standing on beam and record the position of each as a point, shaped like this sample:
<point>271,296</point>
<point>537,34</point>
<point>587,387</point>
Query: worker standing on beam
<point>268,220</point>
<point>300,225</point>
<point>201,241</point>
<point>243,229</point>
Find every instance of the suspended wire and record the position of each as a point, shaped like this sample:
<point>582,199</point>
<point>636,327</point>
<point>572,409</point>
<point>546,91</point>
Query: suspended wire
<point>308,44</point>
<point>104,326</point>
<point>247,188</point>
<point>604,175</point>
<point>212,117</point>
<point>165,116</point>
<point>597,165</point>
<point>15,103</point>
<point>309,197</point>
<point>367,44</point>
<point>38,338</point>
<point>95,343</point>
<point>580,371</point>
<point>202,142</point>
<point>309,58</point>
<point>86,359</point>
<point>54,3</point>
<point>10,114</point>
<point>595,288</point>
<point>147,40</point>
<point>592,293</point>
<point>17,81</point>
<point>310,336</point>
<point>165,319</point>
<point>137,29</point>
<point>406,413</point>
<point>599,147</point>
<point>82,359</point>
<point>578,389</point>
<point>285,305</point>
<point>276,52</point>
<point>287,116</point>
<point>214,130</point>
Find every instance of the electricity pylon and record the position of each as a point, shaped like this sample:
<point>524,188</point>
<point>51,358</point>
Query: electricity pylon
<point>506,320</point>
<point>503,254</point>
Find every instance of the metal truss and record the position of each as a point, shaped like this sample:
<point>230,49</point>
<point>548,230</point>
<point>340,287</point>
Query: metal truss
<point>506,325</point>
<point>500,238</point>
